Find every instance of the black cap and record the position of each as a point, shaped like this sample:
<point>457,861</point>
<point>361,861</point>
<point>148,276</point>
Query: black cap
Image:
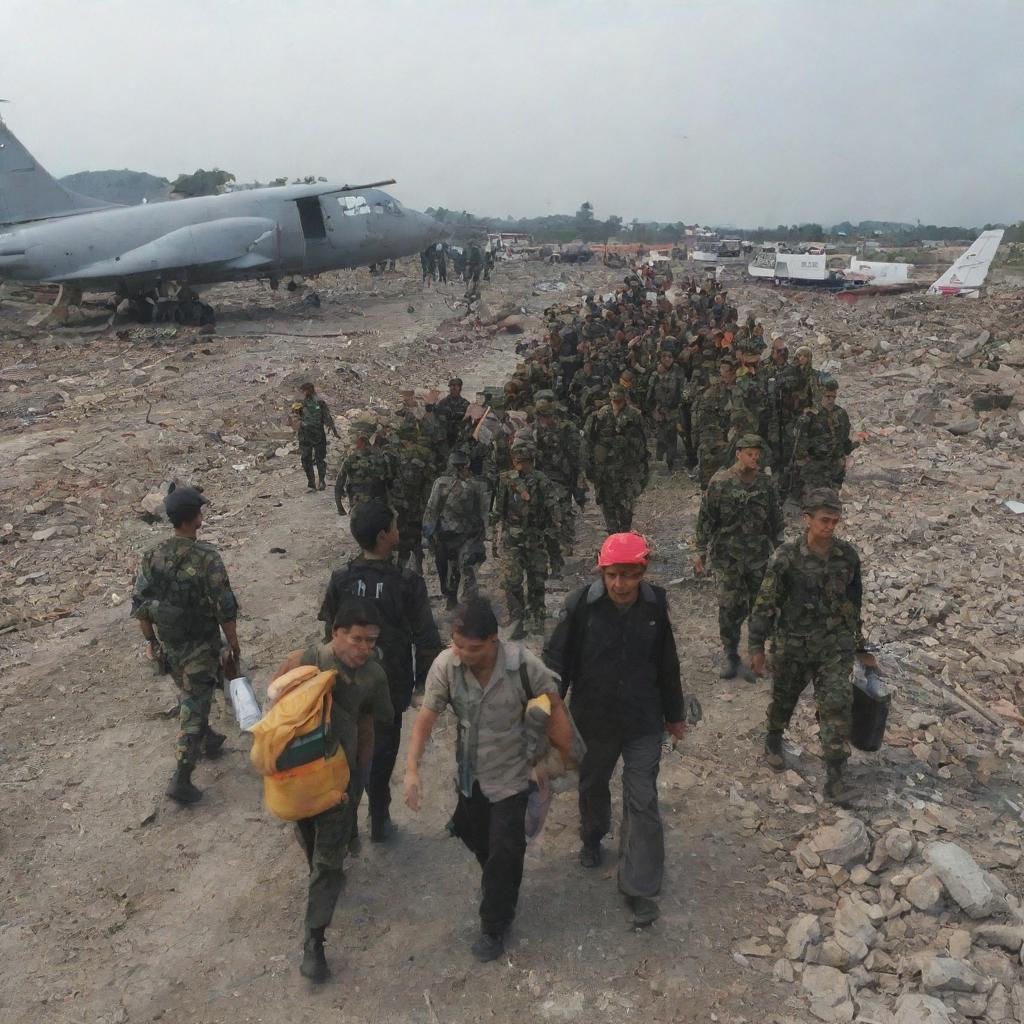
<point>183,503</point>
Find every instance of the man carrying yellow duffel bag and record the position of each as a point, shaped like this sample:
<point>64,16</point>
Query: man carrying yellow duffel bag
<point>318,732</point>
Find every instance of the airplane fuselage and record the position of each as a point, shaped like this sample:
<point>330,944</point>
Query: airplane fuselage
<point>260,233</point>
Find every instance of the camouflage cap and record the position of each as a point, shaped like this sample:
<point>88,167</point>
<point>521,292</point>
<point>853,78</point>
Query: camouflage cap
<point>616,391</point>
<point>750,441</point>
<point>627,377</point>
<point>545,394</point>
<point>829,384</point>
<point>522,448</point>
<point>821,497</point>
<point>458,458</point>
<point>362,428</point>
<point>544,407</point>
<point>408,432</point>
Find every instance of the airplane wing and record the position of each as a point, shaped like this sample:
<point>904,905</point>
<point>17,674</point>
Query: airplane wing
<point>234,243</point>
<point>968,273</point>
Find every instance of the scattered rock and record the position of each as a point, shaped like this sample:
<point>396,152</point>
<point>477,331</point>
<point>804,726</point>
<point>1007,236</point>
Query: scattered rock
<point>925,891</point>
<point>802,933</point>
<point>898,844</point>
<point>962,427</point>
<point>950,974</point>
<point>1005,936</point>
<point>913,1008</point>
<point>829,993</point>
<point>959,944</point>
<point>783,971</point>
<point>844,844</point>
<point>975,891</point>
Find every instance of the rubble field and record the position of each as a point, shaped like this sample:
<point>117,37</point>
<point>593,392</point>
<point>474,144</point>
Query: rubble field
<point>117,906</point>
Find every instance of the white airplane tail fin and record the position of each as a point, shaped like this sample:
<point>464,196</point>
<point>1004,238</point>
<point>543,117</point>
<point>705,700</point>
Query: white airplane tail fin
<point>968,272</point>
<point>28,192</point>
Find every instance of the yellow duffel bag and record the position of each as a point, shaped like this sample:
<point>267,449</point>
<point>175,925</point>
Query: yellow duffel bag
<point>292,750</point>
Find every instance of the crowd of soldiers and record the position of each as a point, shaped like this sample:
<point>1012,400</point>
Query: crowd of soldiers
<point>615,384</point>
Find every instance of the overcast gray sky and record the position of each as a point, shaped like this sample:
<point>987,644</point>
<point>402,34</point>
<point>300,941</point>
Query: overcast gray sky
<point>741,112</point>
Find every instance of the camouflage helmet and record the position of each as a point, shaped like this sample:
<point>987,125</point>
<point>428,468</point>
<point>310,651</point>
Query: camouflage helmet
<point>750,441</point>
<point>362,428</point>
<point>523,448</point>
<point>822,497</point>
<point>458,458</point>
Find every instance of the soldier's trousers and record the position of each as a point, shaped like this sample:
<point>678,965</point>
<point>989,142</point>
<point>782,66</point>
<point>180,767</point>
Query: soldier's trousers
<point>829,672</point>
<point>821,473</point>
<point>641,837</point>
<point>196,675</point>
<point>519,559</point>
<point>738,585</point>
<point>617,499</point>
<point>561,544</point>
<point>666,437</point>
<point>495,833</point>
<point>325,838</point>
<point>459,580</point>
<point>386,740</point>
<point>313,452</point>
<point>410,538</point>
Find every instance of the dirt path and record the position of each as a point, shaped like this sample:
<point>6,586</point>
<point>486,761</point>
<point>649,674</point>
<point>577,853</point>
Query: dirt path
<point>119,906</point>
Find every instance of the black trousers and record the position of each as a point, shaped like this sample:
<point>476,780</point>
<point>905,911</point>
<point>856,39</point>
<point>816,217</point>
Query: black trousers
<point>641,838</point>
<point>386,740</point>
<point>496,835</point>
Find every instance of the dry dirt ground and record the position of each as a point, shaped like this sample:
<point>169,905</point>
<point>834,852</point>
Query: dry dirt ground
<point>119,906</point>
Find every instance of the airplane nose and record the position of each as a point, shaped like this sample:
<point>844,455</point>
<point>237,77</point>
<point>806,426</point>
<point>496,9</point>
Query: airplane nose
<point>429,230</point>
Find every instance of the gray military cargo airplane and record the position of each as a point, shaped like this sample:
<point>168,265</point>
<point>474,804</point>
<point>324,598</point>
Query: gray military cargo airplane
<point>158,256</point>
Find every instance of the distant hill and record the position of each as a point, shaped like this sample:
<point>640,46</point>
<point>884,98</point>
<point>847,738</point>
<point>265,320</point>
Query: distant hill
<point>127,187</point>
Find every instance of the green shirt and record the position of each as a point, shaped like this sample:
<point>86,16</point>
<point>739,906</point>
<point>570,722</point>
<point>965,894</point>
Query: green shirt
<point>357,692</point>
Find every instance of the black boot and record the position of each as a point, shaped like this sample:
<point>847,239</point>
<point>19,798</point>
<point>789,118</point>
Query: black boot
<point>213,743</point>
<point>381,829</point>
<point>314,963</point>
<point>590,855</point>
<point>181,788</point>
<point>836,789</point>
<point>732,665</point>
<point>489,946</point>
<point>310,480</point>
<point>323,482</point>
<point>773,751</point>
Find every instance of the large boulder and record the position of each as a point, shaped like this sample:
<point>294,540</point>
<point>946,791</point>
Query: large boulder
<point>946,973</point>
<point>978,893</point>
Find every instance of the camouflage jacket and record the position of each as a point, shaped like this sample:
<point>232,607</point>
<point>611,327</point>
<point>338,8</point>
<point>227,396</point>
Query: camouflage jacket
<point>739,523</point>
<point>809,604</point>
<point>525,505</point>
<point>558,453</point>
<point>718,409</point>
<point>366,473</point>
<point>665,393</point>
<point>314,418</point>
<point>496,459</point>
<point>826,435</point>
<point>183,589</point>
<point>452,411</point>
<point>615,444</point>
<point>797,389</point>
<point>456,505</point>
<point>414,474</point>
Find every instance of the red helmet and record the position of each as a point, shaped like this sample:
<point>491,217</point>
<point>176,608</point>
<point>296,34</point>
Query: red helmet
<point>624,549</point>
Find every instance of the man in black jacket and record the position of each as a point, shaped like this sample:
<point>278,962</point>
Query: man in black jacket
<point>614,648</point>
<point>407,625</point>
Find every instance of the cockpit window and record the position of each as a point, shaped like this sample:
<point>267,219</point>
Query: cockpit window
<point>352,206</point>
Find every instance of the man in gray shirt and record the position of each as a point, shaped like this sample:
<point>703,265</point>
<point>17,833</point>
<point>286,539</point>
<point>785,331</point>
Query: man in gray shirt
<point>487,683</point>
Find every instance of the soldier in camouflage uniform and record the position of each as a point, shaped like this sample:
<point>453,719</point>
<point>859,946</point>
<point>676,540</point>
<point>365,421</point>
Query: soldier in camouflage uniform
<point>664,406</point>
<point>367,472</point>
<point>310,417</point>
<point>452,412</point>
<point>756,398</point>
<point>525,517</point>
<point>558,458</point>
<point>414,476</point>
<point>716,410</point>
<point>797,390</point>
<point>182,600</point>
<point>434,434</point>
<point>820,457</point>
<point>739,525</point>
<point>454,523</point>
<point>615,459</point>
<point>810,605</point>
